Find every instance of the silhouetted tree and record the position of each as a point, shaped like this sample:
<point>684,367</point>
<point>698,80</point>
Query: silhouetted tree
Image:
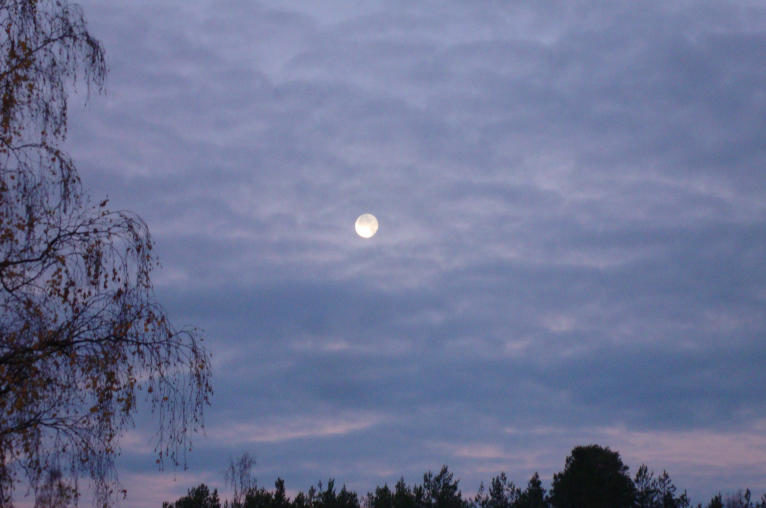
<point>442,490</point>
<point>254,497</point>
<point>481,499</point>
<point>280,498</point>
<point>81,335</point>
<point>593,477</point>
<point>715,502</point>
<point>502,494</point>
<point>741,500</point>
<point>327,498</point>
<point>656,492</point>
<point>404,497</point>
<point>319,497</point>
<point>239,474</point>
<point>305,500</point>
<point>381,498</point>
<point>667,493</point>
<point>197,497</point>
<point>345,499</point>
<point>646,488</point>
<point>533,496</point>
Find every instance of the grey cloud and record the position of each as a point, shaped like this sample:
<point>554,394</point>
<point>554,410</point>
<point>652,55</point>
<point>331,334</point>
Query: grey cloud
<point>571,205</point>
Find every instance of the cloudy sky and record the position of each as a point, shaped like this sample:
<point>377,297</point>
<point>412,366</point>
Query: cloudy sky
<point>572,206</point>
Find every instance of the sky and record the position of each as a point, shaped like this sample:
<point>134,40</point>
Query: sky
<point>572,208</point>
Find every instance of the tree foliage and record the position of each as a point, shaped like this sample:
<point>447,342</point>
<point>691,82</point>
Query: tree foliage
<point>502,493</point>
<point>441,490</point>
<point>197,497</point>
<point>534,495</point>
<point>317,497</point>
<point>656,492</point>
<point>81,334</point>
<point>262,498</point>
<point>593,477</point>
<point>601,469</point>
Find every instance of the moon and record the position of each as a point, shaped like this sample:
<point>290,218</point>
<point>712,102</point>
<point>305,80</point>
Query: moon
<point>366,225</point>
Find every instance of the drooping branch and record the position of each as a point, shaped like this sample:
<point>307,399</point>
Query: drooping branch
<point>81,335</point>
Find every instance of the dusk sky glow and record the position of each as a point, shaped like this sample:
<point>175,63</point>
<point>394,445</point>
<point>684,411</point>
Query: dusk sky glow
<point>572,199</point>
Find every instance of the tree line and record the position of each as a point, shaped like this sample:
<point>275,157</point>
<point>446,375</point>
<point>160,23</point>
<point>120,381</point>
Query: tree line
<point>593,477</point>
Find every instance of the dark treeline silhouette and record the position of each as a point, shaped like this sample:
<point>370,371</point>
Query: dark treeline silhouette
<point>593,477</point>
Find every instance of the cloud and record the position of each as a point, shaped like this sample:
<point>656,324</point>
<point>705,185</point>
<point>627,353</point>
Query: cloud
<point>294,428</point>
<point>572,225</point>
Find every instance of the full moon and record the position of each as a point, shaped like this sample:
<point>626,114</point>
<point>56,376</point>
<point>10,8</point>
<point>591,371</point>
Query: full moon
<point>366,225</point>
